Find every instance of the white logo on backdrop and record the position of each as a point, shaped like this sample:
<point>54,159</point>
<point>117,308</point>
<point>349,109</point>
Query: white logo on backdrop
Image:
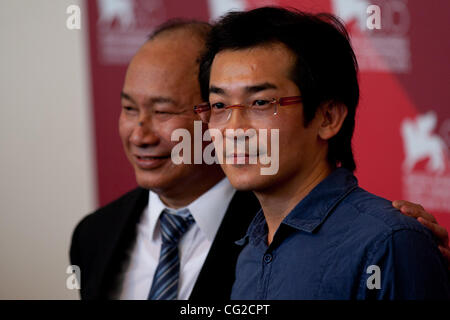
<point>421,143</point>
<point>378,49</point>
<point>352,11</point>
<point>220,7</point>
<point>123,26</point>
<point>120,10</point>
<point>429,186</point>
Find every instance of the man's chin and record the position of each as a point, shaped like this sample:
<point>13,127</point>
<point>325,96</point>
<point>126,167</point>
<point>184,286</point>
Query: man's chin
<point>154,181</point>
<point>244,181</point>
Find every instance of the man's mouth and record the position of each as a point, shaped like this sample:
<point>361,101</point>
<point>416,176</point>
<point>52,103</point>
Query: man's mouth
<point>150,161</point>
<point>240,158</point>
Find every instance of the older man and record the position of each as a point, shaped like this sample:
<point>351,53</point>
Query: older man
<point>129,248</point>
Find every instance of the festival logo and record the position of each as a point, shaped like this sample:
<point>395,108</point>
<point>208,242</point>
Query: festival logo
<point>383,49</point>
<point>123,25</point>
<point>426,174</point>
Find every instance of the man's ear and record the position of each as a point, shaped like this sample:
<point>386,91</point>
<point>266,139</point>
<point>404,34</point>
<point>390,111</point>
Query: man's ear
<point>332,117</point>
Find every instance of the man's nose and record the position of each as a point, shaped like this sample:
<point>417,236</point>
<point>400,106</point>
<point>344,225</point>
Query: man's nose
<point>238,118</point>
<point>144,133</point>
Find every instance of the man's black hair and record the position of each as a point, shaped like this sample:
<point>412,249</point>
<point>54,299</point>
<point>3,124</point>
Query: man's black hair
<point>325,70</point>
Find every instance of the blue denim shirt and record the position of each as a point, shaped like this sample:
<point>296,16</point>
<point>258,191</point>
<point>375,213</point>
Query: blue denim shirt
<point>330,246</point>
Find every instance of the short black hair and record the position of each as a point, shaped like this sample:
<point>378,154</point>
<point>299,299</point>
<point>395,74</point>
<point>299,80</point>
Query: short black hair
<point>325,70</point>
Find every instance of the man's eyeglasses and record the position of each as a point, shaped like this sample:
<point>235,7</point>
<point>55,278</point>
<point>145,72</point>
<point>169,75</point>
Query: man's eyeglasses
<point>219,113</point>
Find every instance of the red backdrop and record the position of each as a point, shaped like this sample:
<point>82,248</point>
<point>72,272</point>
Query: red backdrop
<point>402,136</point>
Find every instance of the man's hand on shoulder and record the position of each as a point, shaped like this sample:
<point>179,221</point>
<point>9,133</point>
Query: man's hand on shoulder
<point>429,221</point>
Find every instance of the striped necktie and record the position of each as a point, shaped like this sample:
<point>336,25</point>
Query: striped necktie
<point>165,280</point>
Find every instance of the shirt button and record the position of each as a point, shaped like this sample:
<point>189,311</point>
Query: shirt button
<point>267,258</point>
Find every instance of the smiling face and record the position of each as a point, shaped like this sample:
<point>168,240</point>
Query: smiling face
<point>159,91</point>
<point>259,74</point>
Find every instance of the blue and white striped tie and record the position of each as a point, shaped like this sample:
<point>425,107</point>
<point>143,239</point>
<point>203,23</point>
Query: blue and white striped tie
<point>165,280</point>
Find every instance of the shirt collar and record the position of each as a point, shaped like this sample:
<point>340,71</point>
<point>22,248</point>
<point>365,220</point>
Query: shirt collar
<point>312,211</point>
<point>207,210</point>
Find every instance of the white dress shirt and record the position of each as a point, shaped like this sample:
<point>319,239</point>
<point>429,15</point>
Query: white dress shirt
<point>208,211</point>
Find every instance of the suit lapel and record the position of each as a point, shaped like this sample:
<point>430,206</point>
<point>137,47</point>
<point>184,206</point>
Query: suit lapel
<point>217,275</point>
<point>122,236</point>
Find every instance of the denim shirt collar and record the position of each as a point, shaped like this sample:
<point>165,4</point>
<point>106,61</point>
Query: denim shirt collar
<point>312,210</point>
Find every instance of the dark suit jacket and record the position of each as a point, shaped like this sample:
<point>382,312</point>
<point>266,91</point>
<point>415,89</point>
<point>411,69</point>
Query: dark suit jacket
<point>102,240</point>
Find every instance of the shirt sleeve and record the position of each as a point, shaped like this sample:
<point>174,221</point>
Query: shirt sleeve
<point>410,267</point>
